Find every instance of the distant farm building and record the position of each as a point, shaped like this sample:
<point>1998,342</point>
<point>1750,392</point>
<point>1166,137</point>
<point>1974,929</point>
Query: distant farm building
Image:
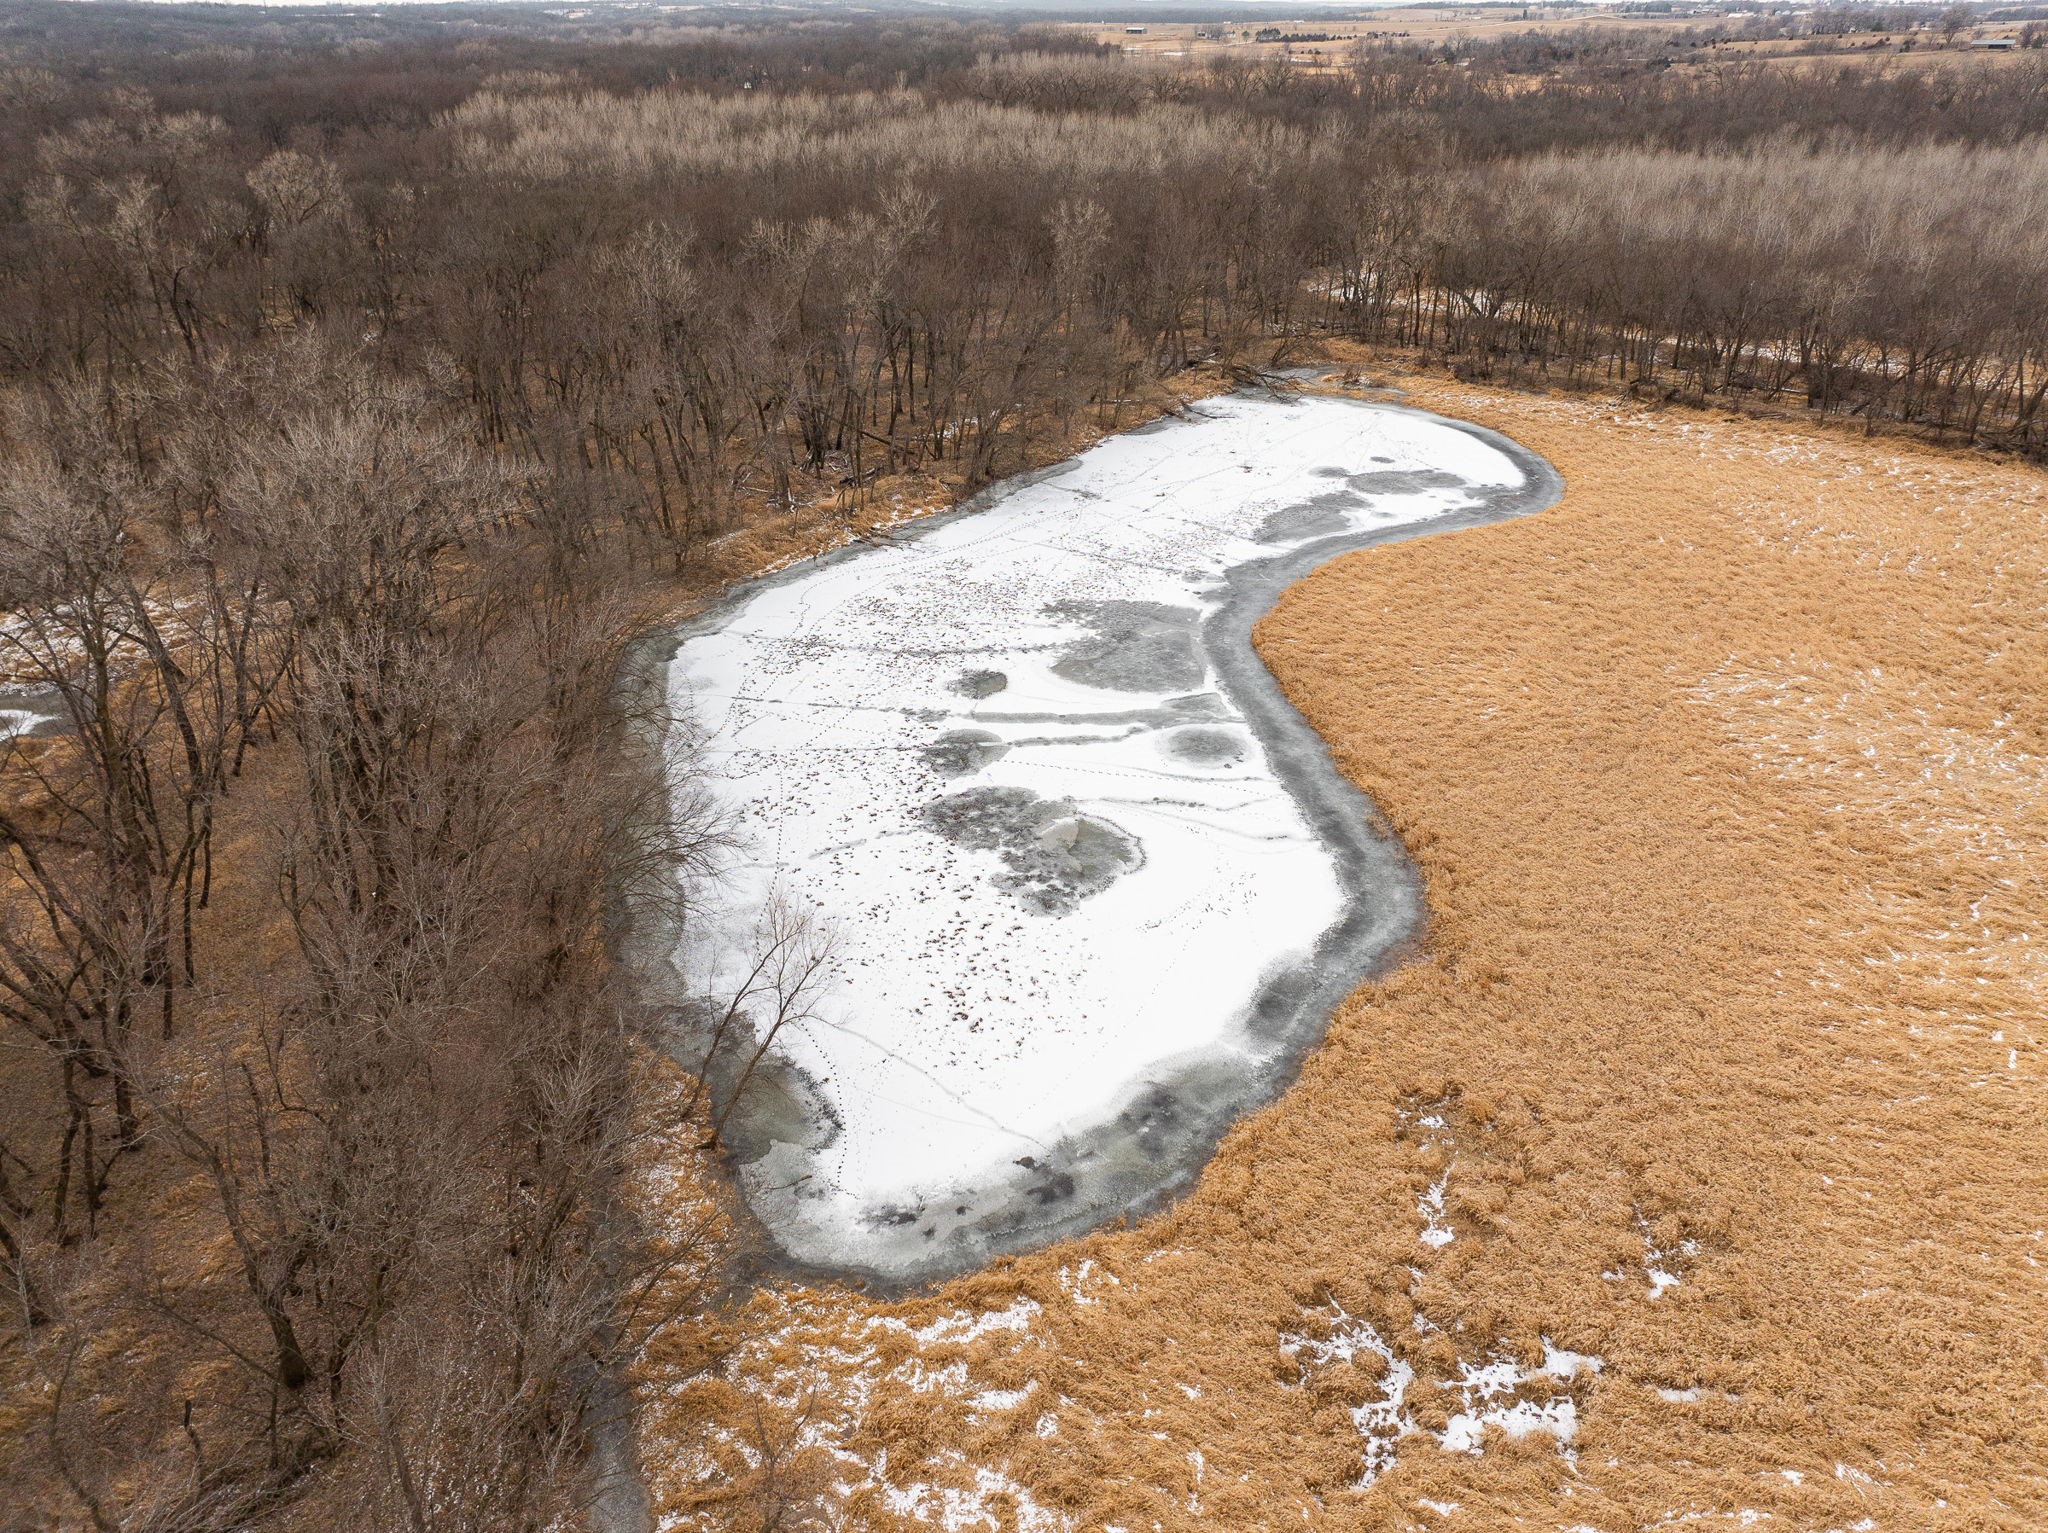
<point>1998,44</point>
<point>1136,30</point>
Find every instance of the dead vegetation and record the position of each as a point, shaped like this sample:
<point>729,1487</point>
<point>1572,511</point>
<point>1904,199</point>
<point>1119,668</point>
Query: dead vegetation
<point>1721,1071</point>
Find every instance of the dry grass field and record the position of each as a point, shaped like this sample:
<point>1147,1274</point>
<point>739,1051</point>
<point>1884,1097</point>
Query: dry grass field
<point>1693,1175</point>
<point>1435,26</point>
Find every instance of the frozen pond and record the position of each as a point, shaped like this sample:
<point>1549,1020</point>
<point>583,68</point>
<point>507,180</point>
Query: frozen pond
<point>27,710</point>
<point>1079,884</point>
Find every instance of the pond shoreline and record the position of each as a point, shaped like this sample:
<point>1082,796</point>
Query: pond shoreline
<point>1162,1130</point>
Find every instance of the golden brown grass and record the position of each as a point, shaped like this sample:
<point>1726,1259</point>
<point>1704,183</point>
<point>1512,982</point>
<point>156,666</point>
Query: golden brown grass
<point>1726,776</point>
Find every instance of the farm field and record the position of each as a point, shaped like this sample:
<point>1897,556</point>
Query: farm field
<point>1315,42</point>
<point>1673,1182</point>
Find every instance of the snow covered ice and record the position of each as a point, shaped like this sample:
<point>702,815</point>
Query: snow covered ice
<point>1090,885</point>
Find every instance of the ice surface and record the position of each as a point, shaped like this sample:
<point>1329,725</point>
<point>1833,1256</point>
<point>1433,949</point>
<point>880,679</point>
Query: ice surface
<point>1081,880</point>
<point>31,710</point>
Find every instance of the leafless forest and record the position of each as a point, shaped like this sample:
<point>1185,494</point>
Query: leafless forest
<point>367,380</point>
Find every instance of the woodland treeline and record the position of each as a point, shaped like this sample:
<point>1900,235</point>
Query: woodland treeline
<point>367,380</point>
<point>872,228</point>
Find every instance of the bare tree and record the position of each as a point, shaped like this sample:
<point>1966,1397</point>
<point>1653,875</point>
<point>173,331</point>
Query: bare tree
<point>784,979</point>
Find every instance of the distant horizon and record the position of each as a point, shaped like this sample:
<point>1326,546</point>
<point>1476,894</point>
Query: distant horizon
<point>1151,9</point>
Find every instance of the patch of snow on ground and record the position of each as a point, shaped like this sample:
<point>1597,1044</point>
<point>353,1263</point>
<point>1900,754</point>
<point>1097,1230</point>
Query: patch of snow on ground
<point>956,1509</point>
<point>1659,1262</point>
<point>1075,1281</point>
<point>1428,1122</point>
<point>1499,1393</point>
<point>1436,1233</point>
<point>964,1328</point>
<point>944,1489</point>
<point>1382,1421</point>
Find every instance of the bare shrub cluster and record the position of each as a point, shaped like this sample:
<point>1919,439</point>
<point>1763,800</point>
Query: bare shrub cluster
<point>1900,284</point>
<point>318,1189</point>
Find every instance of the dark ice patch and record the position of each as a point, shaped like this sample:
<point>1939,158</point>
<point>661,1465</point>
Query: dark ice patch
<point>1134,647</point>
<point>1048,1184</point>
<point>1391,481</point>
<point>1153,1119</point>
<point>1053,857</point>
<point>886,1216</point>
<point>980,683</point>
<point>1204,746</point>
<point>768,1108</point>
<point>1049,1188</point>
<point>761,1098</point>
<point>961,752</point>
<point>1404,481</point>
<point>1319,517</point>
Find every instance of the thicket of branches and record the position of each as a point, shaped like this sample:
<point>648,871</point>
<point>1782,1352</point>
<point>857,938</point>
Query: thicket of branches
<point>315,1193</point>
<point>640,256</point>
<point>361,380</point>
